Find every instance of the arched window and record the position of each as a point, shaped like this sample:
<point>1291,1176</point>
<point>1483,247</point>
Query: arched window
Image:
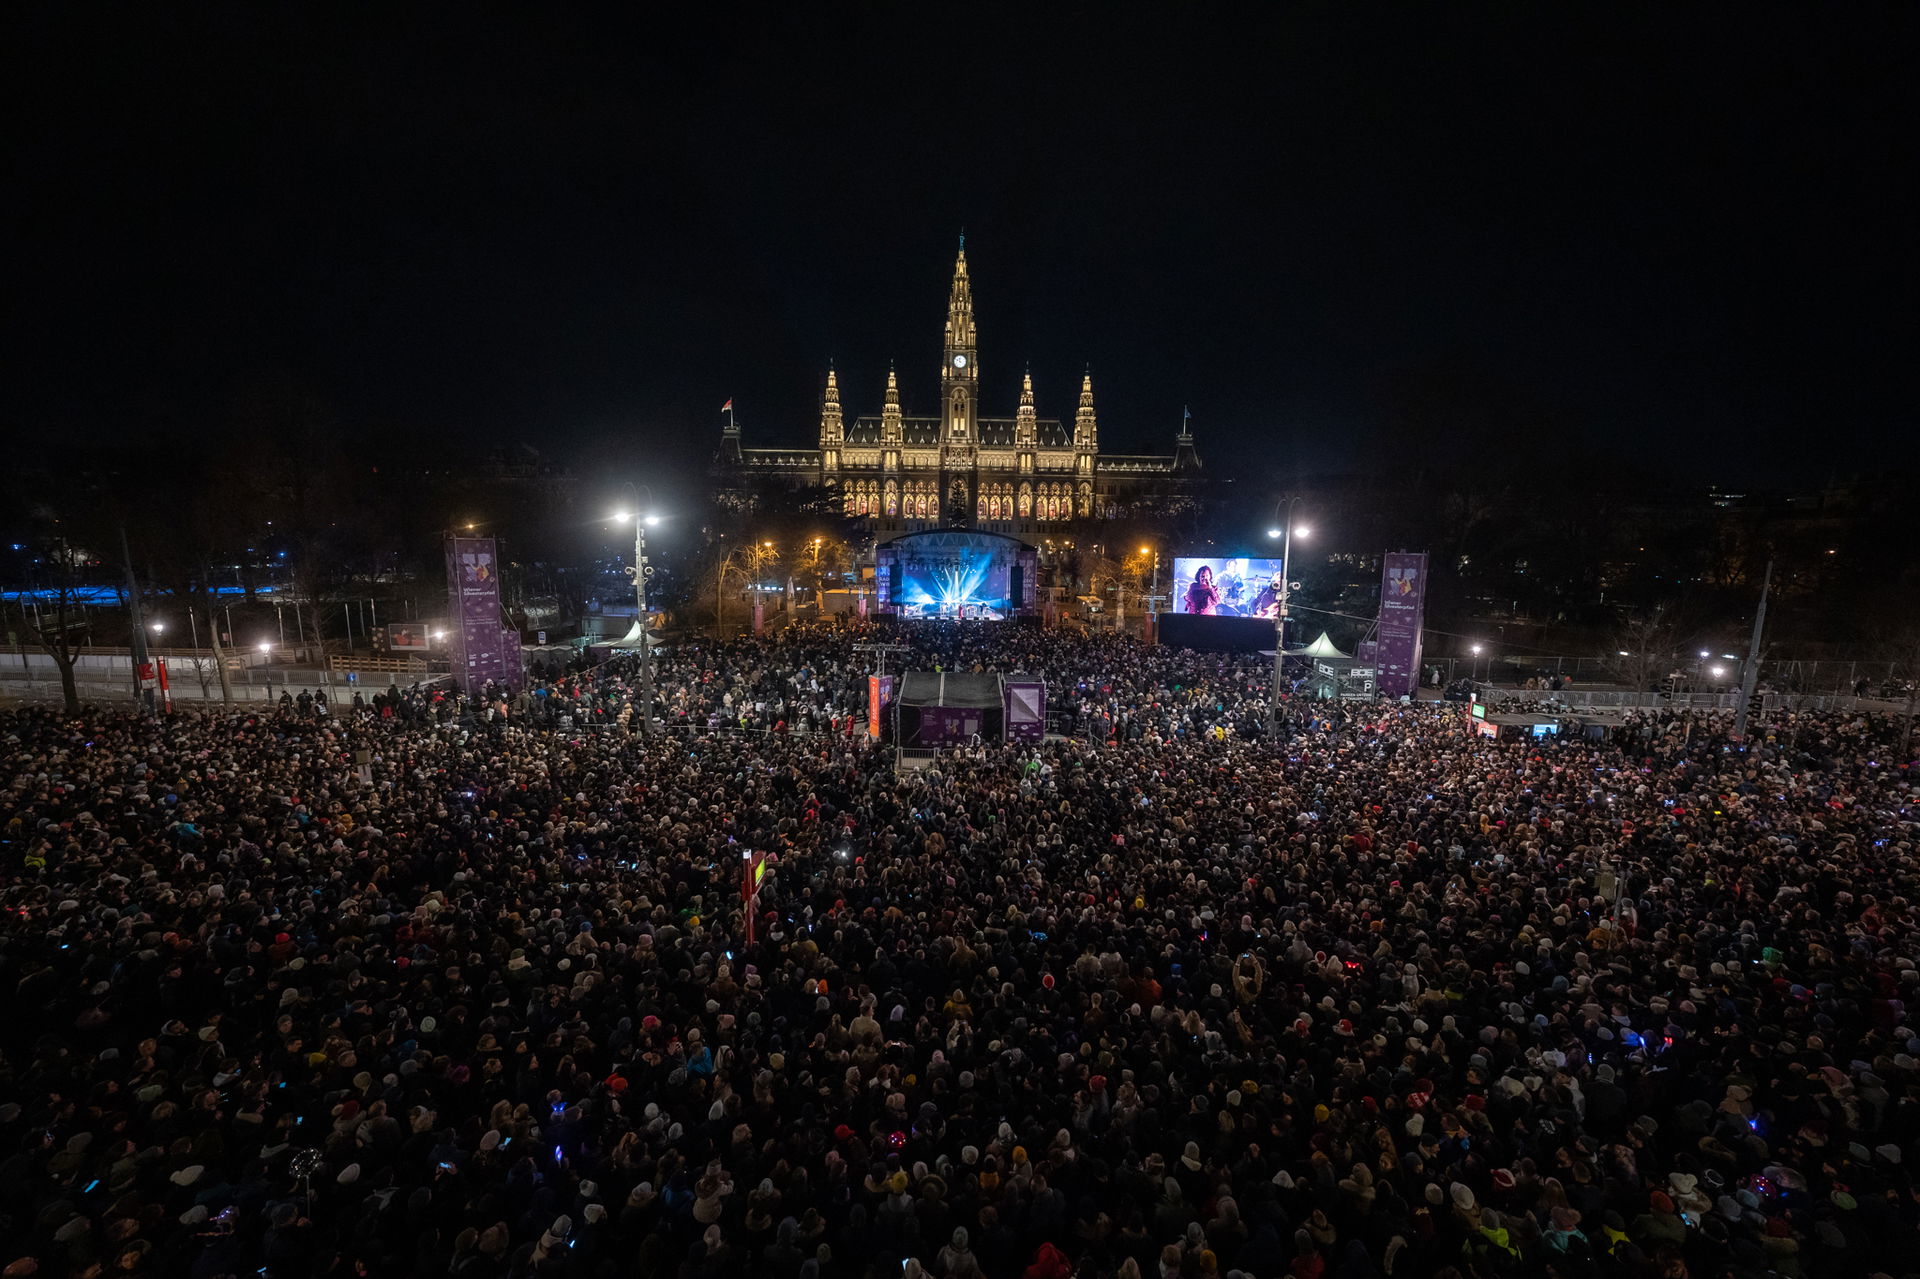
<point>933,507</point>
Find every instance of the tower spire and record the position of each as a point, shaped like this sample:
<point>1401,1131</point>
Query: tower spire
<point>1086,427</point>
<point>833,432</point>
<point>960,371</point>
<point>892,430</point>
<point>1026,427</point>
<point>960,313</point>
<point>1186,458</point>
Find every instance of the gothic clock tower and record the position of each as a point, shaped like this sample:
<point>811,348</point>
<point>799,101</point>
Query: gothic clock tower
<point>959,393</point>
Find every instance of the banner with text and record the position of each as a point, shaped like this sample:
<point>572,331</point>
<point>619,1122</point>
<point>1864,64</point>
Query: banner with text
<point>481,650</point>
<point>1403,601</point>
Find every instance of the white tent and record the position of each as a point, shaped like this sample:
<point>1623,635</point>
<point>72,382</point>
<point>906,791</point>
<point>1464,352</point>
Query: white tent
<point>632,638</point>
<point>1322,647</point>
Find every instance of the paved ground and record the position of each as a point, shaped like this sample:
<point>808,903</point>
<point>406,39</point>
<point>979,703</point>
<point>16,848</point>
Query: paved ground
<point>186,687</point>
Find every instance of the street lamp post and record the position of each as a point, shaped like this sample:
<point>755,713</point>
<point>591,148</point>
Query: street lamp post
<point>137,648</point>
<point>1153,596</point>
<point>1285,532</point>
<point>641,572</point>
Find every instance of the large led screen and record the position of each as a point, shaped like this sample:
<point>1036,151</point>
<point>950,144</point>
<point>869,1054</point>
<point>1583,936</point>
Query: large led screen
<point>1226,586</point>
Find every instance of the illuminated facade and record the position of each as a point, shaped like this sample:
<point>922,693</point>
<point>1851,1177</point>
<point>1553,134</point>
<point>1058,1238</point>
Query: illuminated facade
<point>1019,475</point>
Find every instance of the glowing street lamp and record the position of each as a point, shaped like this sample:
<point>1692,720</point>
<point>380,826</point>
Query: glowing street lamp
<point>641,523</point>
<point>1153,592</point>
<point>1285,533</point>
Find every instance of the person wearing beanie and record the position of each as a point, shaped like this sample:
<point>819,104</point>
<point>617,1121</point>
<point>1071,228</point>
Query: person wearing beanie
<point>1658,1226</point>
<point>956,1259</point>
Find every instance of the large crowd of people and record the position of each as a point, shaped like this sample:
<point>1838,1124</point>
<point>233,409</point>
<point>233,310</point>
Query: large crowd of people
<point>433,985</point>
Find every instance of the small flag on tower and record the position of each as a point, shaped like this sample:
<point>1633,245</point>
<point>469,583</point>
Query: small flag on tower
<point>727,407</point>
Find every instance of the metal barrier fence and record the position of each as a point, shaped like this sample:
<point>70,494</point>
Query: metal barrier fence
<point>102,693</point>
<point>186,688</point>
<point>1582,699</point>
<point>568,724</point>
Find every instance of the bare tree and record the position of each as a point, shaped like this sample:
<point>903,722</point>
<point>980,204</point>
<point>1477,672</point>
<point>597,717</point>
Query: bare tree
<point>744,563</point>
<point>1646,645</point>
<point>57,617</point>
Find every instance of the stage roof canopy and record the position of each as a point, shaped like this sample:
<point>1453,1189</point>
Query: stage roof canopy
<point>942,688</point>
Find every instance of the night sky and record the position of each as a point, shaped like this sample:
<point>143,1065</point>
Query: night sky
<point>1686,240</point>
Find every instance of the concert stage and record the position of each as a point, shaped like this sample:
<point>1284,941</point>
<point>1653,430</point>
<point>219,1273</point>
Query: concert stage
<point>956,573</point>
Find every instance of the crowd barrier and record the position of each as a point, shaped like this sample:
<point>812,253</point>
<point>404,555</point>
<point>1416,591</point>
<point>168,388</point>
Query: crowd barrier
<point>1582,699</point>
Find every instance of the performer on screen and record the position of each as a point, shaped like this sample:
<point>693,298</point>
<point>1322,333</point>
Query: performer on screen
<point>1267,602</point>
<point>1202,596</point>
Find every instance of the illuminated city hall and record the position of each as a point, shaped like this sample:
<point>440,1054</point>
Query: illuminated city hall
<point>1016,475</point>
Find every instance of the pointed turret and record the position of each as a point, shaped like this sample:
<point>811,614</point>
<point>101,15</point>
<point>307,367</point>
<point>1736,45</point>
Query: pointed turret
<point>833,431</point>
<point>890,428</point>
<point>1185,456</point>
<point>832,425</point>
<point>960,315</point>
<point>1086,427</point>
<point>1026,425</point>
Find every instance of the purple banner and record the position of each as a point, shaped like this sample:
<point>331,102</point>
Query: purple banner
<point>481,649</point>
<point>879,697</point>
<point>1403,602</point>
<point>950,725</point>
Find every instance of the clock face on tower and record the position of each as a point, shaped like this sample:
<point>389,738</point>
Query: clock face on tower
<point>959,361</point>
